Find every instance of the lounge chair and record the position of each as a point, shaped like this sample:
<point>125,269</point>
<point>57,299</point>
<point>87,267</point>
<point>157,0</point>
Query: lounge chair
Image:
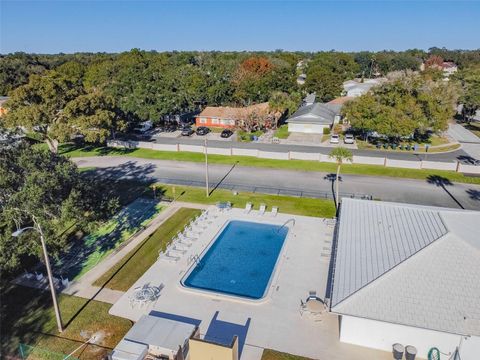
<point>169,257</point>
<point>274,211</point>
<point>184,242</point>
<point>262,209</point>
<point>176,250</point>
<point>248,207</point>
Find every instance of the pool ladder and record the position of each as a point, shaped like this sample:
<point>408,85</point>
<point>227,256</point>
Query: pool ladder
<point>285,224</point>
<point>196,259</point>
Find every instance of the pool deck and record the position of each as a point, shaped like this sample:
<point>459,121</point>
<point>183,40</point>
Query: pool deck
<point>275,321</point>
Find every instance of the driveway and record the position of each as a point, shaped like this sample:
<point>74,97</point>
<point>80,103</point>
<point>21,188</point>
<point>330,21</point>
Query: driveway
<point>462,135</point>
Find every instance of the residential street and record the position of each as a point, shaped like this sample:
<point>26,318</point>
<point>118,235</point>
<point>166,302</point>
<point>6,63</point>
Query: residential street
<point>299,183</point>
<point>457,155</point>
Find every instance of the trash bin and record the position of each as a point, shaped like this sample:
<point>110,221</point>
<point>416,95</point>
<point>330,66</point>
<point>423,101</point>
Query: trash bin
<point>410,352</point>
<point>398,350</point>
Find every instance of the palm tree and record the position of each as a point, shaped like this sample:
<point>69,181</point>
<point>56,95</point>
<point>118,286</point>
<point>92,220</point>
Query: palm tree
<point>341,155</point>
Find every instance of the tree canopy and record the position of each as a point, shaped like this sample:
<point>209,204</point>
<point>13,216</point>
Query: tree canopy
<point>400,107</point>
<point>49,187</point>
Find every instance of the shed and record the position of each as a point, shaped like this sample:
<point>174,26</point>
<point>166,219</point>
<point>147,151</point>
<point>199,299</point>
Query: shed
<point>163,337</point>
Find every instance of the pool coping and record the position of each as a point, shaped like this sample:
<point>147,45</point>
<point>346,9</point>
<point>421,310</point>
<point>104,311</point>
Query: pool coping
<point>213,293</point>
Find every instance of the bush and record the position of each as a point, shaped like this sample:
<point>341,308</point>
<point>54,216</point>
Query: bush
<point>326,131</point>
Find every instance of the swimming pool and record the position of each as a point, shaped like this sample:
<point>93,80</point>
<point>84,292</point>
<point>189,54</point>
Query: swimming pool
<point>240,261</point>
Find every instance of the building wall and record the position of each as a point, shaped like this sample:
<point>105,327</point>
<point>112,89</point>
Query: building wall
<point>214,122</point>
<point>382,335</point>
<point>203,350</point>
<point>307,128</point>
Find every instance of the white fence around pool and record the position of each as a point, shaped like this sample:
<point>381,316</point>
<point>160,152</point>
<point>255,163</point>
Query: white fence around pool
<point>296,155</point>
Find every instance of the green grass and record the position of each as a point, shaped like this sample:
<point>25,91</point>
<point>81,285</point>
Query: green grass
<point>285,204</point>
<point>111,235</point>
<point>282,132</point>
<point>28,317</point>
<point>244,136</point>
<point>276,355</point>
<point>128,270</point>
<point>301,165</point>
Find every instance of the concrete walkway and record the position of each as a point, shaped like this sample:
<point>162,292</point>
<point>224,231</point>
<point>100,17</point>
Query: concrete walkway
<point>84,288</point>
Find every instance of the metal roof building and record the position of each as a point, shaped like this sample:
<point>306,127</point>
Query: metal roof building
<point>408,274</point>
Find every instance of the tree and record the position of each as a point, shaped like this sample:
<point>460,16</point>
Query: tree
<point>341,155</point>
<point>470,81</point>
<point>410,103</point>
<point>57,106</point>
<point>327,72</point>
<point>49,187</point>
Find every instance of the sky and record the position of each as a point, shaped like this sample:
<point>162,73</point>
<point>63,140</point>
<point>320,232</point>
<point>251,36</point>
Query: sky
<point>114,26</point>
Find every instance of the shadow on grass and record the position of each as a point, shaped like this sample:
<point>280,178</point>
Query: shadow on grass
<point>443,183</point>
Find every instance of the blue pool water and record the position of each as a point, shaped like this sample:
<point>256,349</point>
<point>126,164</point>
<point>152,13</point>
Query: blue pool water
<point>240,261</point>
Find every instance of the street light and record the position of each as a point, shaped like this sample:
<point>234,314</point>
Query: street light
<point>38,229</point>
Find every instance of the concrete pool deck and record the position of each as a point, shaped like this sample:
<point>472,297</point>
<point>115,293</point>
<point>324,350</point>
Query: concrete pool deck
<point>275,321</point>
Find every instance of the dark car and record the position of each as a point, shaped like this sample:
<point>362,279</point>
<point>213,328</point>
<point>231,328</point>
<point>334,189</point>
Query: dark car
<point>187,131</point>
<point>203,130</point>
<point>171,127</point>
<point>226,133</point>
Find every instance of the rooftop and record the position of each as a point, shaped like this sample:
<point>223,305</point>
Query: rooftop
<point>227,112</point>
<point>315,113</point>
<point>408,264</point>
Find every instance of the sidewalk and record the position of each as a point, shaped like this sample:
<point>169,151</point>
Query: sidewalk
<point>84,288</point>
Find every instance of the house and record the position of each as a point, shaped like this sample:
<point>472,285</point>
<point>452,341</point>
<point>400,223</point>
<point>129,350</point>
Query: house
<point>358,87</point>
<point>3,99</point>
<point>337,105</point>
<point>449,68</point>
<point>407,274</point>
<point>312,118</point>
<point>230,117</point>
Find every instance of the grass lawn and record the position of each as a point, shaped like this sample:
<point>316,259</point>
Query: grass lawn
<point>124,274</point>
<point>442,143</point>
<point>94,247</point>
<point>286,204</point>
<point>244,136</point>
<point>275,355</point>
<point>303,165</point>
<point>28,318</point>
<point>282,132</point>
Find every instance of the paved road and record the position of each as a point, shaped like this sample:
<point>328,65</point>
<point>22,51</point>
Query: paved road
<point>470,142</point>
<point>298,183</point>
<point>458,155</point>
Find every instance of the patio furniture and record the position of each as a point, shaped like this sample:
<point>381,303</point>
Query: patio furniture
<point>274,211</point>
<point>302,307</point>
<point>262,209</point>
<point>315,306</point>
<point>145,294</point>
<point>167,256</point>
<point>248,207</point>
<point>223,206</point>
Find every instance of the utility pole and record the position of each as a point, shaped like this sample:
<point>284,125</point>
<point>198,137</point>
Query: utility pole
<point>206,167</point>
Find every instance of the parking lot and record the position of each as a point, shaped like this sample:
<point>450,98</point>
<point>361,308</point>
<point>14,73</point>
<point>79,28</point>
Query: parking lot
<point>210,136</point>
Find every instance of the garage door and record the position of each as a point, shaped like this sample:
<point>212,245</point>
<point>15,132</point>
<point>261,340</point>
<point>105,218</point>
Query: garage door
<point>306,128</point>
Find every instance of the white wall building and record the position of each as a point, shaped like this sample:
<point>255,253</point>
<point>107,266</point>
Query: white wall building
<point>312,118</point>
<point>408,274</point>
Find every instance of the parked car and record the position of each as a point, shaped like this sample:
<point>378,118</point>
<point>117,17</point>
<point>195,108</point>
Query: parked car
<point>349,139</point>
<point>334,139</point>
<point>187,131</point>
<point>171,127</point>
<point>203,130</point>
<point>226,133</point>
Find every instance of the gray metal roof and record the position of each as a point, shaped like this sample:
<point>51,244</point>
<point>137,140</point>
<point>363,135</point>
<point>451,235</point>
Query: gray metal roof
<point>157,331</point>
<point>315,113</point>
<point>408,264</point>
